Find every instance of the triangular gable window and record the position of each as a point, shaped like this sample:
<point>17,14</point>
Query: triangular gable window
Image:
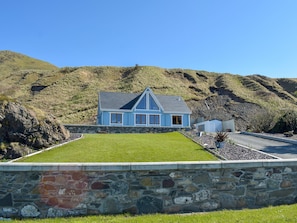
<point>153,105</point>
<point>142,103</point>
<point>148,101</point>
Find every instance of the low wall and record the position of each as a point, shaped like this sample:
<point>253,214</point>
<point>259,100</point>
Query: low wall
<point>55,190</point>
<point>118,129</point>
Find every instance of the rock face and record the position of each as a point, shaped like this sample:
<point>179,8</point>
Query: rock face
<point>21,131</point>
<point>226,107</point>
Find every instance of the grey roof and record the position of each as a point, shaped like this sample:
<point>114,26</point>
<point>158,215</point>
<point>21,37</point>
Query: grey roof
<point>173,104</point>
<point>126,101</point>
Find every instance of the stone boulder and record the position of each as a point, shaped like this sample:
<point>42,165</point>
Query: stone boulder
<point>23,130</point>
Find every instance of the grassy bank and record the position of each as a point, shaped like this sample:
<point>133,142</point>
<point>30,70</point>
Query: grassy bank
<point>126,148</point>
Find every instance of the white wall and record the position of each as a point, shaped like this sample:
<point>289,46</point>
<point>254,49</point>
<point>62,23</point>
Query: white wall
<point>209,126</point>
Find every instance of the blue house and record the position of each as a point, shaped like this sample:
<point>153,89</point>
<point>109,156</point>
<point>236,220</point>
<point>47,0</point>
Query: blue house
<point>142,109</point>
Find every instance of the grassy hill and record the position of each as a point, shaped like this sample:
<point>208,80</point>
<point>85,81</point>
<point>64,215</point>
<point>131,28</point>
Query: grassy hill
<point>11,62</point>
<point>71,93</point>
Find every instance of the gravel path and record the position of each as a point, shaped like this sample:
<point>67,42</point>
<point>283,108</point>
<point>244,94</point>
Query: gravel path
<point>230,151</point>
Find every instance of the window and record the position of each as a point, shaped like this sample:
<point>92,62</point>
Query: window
<point>140,119</point>
<point>154,119</point>
<point>116,118</point>
<point>201,128</point>
<point>176,120</point>
<point>147,102</point>
<point>142,103</point>
<point>153,104</point>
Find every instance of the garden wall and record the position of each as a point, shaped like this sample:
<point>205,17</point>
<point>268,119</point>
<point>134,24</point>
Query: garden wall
<point>118,129</point>
<point>54,190</point>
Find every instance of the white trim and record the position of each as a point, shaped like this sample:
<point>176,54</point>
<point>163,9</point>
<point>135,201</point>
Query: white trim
<point>146,94</point>
<point>175,112</point>
<point>176,125</point>
<point>135,124</point>
<point>147,119</point>
<point>115,110</point>
<point>189,120</point>
<point>155,100</point>
<point>154,124</point>
<point>138,102</point>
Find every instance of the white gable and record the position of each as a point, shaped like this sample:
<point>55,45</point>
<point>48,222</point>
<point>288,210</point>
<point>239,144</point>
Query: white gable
<point>148,101</point>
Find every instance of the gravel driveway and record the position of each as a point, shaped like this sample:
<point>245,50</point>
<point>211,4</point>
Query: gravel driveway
<point>230,151</point>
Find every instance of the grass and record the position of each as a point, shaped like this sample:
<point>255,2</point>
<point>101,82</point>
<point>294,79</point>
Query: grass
<point>279,214</point>
<point>72,92</point>
<point>150,147</point>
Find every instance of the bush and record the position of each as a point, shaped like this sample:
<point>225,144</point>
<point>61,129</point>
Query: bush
<point>287,122</point>
<point>67,70</point>
<point>263,121</point>
<point>221,136</point>
<point>289,134</point>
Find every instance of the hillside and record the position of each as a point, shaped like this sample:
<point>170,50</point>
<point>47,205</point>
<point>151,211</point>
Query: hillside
<point>10,62</point>
<point>71,93</point>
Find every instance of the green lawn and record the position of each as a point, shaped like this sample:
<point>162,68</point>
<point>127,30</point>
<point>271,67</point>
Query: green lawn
<point>279,214</point>
<point>150,147</point>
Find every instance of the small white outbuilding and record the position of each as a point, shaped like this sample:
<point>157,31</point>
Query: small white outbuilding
<point>216,126</point>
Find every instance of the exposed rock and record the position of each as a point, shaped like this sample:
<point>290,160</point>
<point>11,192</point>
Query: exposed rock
<point>149,205</point>
<point>30,211</point>
<point>6,201</point>
<point>21,130</point>
<point>224,107</point>
<point>110,206</point>
<point>14,150</point>
<point>209,205</point>
<point>56,213</point>
<point>202,195</point>
<point>168,183</point>
<point>183,200</point>
<point>8,212</point>
<point>120,187</point>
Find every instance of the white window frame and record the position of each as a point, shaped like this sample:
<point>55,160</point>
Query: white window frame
<point>142,109</point>
<point>149,116</point>
<point>147,97</point>
<point>116,123</point>
<point>145,124</point>
<point>179,116</point>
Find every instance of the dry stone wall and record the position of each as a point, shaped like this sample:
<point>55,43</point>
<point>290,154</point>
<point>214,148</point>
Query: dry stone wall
<point>118,129</point>
<point>56,190</point>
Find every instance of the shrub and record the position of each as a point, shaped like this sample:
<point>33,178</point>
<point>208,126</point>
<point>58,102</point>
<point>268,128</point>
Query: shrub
<point>263,121</point>
<point>67,70</point>
<point>221,136</point>
<point>287,122</point>
<point>289,134</point>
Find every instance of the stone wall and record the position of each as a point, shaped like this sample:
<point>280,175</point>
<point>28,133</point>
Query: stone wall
<point>54,190</point>
<point>118,129</point>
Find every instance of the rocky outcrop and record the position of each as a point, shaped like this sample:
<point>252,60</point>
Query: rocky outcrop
<point>22,131</point>
<point>225,107</point>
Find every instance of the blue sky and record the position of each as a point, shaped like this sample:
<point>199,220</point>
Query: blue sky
<point>226,36</point>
